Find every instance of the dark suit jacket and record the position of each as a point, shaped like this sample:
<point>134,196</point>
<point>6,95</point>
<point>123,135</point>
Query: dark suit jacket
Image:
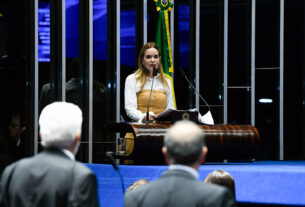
<point>49,179</point>
<point>73,93</point>
<point>14,152</point>
<point>178,188</point>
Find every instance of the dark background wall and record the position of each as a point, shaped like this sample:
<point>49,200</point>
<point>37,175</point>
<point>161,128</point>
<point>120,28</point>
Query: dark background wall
<point>14,79</point>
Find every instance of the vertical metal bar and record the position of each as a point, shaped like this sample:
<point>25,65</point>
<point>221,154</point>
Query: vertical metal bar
<point>225,63</point>
<point>172,21</point>
<point>197,31</point>
<point>281,145</point>
<point>253,18</point>
<point>63,50</point>
<point>36,78</point>
<point>56,64</point>
<point>192,51</point>
<point>85,66</point>
<point>112,62</point>
<point>118,61</point>
<point>90,81</point>
<point>145,22</point>
<point>140,8</point>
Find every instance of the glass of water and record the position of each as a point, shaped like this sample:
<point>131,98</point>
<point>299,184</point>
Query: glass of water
<point>121,146</point>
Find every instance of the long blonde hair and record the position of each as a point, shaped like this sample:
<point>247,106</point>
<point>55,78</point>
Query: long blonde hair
<point>142,73</point>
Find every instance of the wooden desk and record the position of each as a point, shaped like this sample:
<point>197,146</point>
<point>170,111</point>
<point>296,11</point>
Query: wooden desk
<point>225,142</point>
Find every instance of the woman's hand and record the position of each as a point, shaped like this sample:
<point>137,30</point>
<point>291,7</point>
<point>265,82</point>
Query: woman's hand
<point>151,117</point>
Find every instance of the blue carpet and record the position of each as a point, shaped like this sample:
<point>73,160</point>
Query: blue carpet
<point>262,182</point>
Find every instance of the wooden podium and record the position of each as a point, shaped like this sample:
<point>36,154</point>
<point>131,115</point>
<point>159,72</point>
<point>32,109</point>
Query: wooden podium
<point>225,142</point>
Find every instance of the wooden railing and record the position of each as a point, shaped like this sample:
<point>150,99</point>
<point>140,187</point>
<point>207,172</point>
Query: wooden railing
<point>225,142</point>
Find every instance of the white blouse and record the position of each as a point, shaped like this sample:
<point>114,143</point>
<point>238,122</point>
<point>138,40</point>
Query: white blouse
<point>132,87</point>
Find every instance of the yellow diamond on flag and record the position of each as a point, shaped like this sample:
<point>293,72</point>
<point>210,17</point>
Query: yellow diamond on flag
<point>163,5</point>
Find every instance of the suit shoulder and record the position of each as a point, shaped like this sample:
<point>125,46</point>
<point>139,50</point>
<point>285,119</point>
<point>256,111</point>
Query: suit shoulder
<point>209,187</point>
<point>24,162</point>
<point>141,191</point>
<point>19,165</point>
<point>81,168</point>
<point>214,193</point>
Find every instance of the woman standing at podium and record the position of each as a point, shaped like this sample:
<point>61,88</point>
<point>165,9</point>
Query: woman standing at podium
<point>138,86</point>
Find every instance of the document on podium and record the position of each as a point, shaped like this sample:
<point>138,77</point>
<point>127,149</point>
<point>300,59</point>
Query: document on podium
<point>172,115</point>
<point>165,113</point>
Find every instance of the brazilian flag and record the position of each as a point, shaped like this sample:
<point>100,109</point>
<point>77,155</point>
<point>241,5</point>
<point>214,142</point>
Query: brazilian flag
<point>163,38</point>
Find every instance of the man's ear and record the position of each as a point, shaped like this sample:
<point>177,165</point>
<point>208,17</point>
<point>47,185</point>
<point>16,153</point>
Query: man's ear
<point>204,154</point>
<point>75,144</point>
<point>165,153</point>
<point>78,136</point>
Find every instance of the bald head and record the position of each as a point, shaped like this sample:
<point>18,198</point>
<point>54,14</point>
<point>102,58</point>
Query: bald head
<point>184,143</point>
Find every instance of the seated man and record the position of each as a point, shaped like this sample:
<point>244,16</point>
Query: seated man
<point>184,149</point>
<point>52,177</point>
<point>16,144</point>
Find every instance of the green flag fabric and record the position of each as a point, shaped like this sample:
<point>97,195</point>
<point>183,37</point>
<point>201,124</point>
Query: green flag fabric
<point>163,38</point>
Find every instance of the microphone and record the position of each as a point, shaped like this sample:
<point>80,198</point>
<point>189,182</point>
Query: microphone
<point>112,160</point>
<point>183,74</point>
<point>207,117</point>
<point>115,166</point>
<point>155,72</point>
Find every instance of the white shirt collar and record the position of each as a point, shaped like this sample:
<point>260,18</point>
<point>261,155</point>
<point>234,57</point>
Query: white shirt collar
<point>68,153</point>
<point>185,168</point>
<point>18,142</point>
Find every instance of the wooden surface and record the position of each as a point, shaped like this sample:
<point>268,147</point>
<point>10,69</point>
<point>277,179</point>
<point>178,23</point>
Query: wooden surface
<point>225,142</point>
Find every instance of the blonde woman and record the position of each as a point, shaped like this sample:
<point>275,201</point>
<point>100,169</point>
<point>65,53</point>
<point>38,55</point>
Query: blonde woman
<point>138,85</point>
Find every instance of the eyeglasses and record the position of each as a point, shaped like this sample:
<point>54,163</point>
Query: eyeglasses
<point>12,125</point>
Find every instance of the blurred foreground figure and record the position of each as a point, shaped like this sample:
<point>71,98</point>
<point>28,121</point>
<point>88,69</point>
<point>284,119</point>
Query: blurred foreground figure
<point>223,178</point>
<point>137,184</point>
<point>53,177</point>
<point>184,150</point>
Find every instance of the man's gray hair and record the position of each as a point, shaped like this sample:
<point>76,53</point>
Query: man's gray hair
<point>60,122</point>
<point>184,142</point>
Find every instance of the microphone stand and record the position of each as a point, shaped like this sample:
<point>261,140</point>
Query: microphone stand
<point>112,160</point>
<point>194,88</point>
<point>155,72</point>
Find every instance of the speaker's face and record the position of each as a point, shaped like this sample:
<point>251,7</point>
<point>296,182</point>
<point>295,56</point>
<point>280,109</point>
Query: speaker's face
<point>151,59</point>
<point>14,127</point>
